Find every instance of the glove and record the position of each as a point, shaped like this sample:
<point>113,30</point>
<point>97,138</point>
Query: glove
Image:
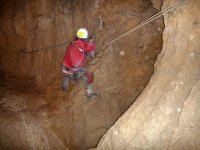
<point>91,39</point>
<point>87,53</point>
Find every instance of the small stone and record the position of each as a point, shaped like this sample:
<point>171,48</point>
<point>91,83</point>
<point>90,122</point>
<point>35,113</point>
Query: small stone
<point>179,109</point>
<point>192,54</point>
<point>115,133</point>
<point>181,82</point>
<point>191,37</point>
<point>122,53</point>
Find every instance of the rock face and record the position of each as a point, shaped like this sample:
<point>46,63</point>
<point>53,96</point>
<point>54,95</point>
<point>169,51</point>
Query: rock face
<point>166,115</point>
<point>28,26</point>
<point>34,112</point>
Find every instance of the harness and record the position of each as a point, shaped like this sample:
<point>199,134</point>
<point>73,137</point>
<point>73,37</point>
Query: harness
<point>74,72</point>
<point>80,49</point>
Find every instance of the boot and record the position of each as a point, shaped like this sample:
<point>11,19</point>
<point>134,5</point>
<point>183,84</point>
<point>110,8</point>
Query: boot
<point>65,83</point>
<point>89,92</point>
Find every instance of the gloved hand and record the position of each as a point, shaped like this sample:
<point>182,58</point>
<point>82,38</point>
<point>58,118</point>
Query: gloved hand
<point>91,39</point>
<point>90,54</point>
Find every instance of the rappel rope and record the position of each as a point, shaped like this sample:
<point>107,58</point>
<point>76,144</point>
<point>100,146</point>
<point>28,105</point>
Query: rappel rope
<point>47,48</point>
<point>157,15</point>
<point>161,13</point>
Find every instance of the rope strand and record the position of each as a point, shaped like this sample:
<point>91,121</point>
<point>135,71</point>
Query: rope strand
<point>161,13</point>
<point>47,48</point>
<point>152,18</point>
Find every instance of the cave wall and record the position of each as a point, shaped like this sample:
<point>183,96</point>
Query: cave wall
<point>28,26</point>
<point>119,79</point>
<point>66,118</point>
<point>34,25</point>
<point>166,114</point>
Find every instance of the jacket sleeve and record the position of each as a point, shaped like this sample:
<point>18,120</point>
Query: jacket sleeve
<point>90,47</point>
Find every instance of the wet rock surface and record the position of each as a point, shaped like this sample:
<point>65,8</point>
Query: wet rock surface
<point>166,114</point>
<point>32,104</point>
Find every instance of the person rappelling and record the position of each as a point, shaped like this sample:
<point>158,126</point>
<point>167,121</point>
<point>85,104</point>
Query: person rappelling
<point>73,63</point>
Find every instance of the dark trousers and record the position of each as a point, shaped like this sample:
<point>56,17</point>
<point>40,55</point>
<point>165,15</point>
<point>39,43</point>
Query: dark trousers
<point>79,74</point>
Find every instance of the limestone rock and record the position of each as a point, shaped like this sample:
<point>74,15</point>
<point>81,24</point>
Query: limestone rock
<point>166,114</point>
<point>49,117</point>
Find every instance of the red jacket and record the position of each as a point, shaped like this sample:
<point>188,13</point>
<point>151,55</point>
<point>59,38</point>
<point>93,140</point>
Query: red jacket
<point>75,53</point>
